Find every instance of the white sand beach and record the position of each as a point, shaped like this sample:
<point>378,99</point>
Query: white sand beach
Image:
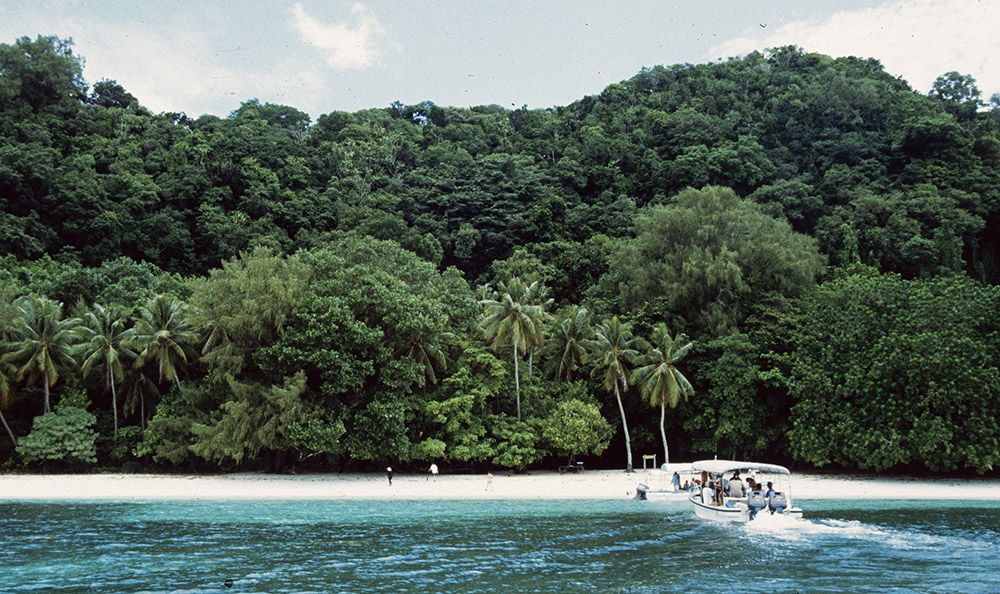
<point>592,484</point>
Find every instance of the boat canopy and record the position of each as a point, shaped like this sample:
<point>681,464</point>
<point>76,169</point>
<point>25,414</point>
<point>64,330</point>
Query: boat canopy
<point>724,466</point>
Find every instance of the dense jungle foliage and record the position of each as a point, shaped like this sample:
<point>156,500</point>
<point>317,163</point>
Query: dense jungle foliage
<point>781,256</point>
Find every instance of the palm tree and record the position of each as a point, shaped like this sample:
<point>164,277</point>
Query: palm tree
<point>163,334</point>
<point>7,371</point>
<point>662,383</point>
<point>43,342</point>
<point>105,346</point>
<point>136,388</point>
<point>6,395</point>
<point>537,294</point>
<point>613,350</point>
<point>567,345</point>
<point>508,320</point>
<point>430,354</point>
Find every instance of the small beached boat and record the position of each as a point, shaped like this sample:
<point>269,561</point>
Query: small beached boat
<point>722,502</point>
<point>657,483</point>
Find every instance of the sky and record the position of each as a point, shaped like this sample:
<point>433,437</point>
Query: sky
<point>331,55</point>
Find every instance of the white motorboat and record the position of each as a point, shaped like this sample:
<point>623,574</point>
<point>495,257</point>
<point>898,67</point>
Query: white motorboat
<point>772,499</point>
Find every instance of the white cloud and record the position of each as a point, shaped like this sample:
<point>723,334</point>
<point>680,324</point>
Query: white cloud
<point>344,47</point>
<point>916,39</point>
<point>181,69</point>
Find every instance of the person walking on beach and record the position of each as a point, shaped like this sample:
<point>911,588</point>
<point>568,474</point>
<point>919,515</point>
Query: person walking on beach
<point>388,474</point>
<point>433,469</point>
<point>676,482</point>
<point>489,481</point>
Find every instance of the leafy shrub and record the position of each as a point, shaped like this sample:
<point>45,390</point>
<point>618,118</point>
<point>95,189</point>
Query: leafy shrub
<point>576,427</point>
<point>517,443</point>
<point>65,435</point>
<point>125,443</point>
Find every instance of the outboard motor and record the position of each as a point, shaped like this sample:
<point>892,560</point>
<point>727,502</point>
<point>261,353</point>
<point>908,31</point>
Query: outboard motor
<point>755,503</point>
<point>777,502</point>
<point>640,492</point>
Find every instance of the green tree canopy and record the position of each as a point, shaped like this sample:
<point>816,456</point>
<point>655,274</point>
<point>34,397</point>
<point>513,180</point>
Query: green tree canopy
<point>708,257</point>
<point>888,373</point>
<point>574,427</point>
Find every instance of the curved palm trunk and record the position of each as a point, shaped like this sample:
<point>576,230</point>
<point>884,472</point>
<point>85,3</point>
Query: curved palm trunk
<point>517,384</point>
<point>45,384</point>
<point>114,401</point>
<point>531,360</point>
<point>663,432</point>
<point>3,420</point>
<point>628,440</point>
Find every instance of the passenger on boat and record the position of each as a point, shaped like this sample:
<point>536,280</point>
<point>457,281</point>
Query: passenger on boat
<point>708,495</point>
<point>736,486</point>
<point>770,490</point>
<point>687,485</point>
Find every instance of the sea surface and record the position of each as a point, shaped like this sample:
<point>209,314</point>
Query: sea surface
<point>492,546</point>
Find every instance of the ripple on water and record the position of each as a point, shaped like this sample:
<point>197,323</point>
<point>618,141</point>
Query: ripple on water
<point>485,546</point>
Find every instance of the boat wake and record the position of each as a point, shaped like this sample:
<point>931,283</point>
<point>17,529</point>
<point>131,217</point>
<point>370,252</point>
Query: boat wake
<point>794,530</point>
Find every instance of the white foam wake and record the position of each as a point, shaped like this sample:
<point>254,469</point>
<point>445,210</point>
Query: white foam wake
<point>791,529</point>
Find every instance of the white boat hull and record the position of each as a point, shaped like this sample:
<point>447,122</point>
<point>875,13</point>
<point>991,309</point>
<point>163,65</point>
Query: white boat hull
<point>737,514</point>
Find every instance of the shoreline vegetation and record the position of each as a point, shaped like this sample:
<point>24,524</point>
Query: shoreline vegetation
<point>536,485</point>
<point>783,256</point>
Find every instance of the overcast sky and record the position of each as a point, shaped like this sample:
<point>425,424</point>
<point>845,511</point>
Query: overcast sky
<point>326,55</point>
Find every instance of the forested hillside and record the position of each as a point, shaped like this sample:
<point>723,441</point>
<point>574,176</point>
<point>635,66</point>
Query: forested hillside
<point>785,256</point>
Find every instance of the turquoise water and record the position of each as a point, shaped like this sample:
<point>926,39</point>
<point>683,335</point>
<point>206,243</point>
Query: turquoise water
<point>478,546</point>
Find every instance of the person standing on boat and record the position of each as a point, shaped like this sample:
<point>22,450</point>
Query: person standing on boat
<point>676,482</point>
<point>770,490</point>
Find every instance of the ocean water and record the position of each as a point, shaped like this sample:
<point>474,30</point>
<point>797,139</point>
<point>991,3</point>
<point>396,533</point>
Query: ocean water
<point>495,546</point>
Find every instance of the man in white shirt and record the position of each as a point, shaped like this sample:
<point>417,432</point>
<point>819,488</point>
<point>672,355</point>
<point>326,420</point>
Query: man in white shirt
<point>736,487</point>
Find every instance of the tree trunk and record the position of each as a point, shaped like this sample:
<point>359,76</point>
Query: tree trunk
<point>531,360</point>
<point>517,384</point>
<point>45,384</point>
<point>114,401</point>
<point>663,432</point>
<point>142,410</point>
<point>628,440</point>
<point>13,439</point>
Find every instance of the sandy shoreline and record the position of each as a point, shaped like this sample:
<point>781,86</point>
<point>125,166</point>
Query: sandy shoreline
<point>594,484</point>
